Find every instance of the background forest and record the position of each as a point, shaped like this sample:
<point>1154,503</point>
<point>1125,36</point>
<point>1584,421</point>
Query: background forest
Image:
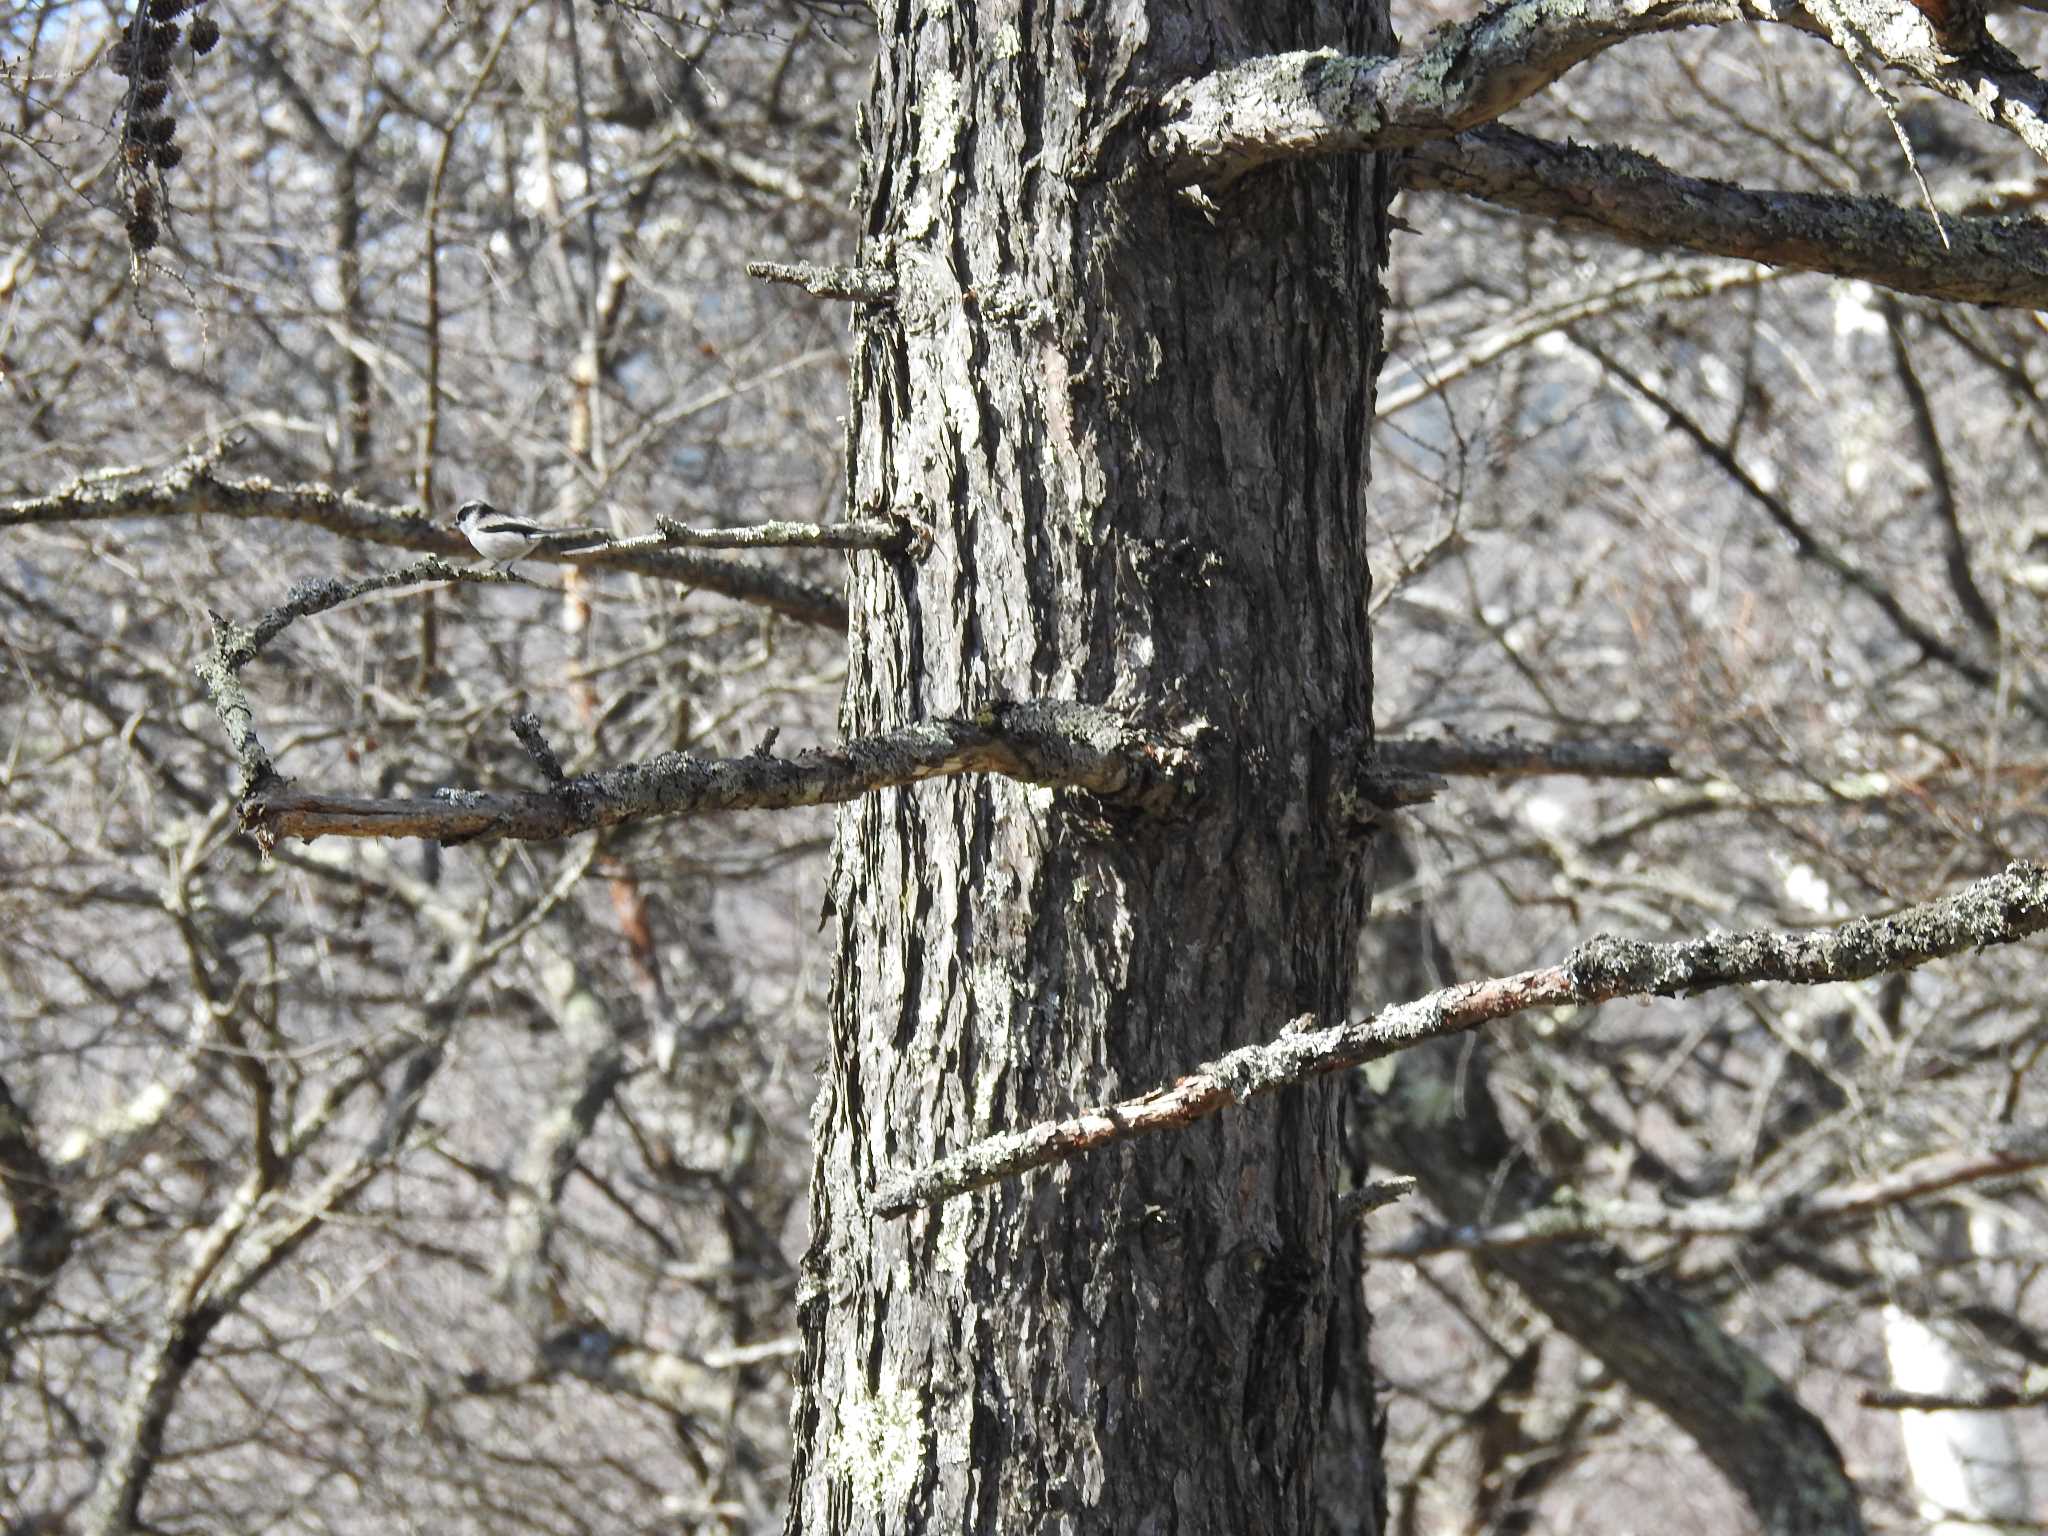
<point>550,1101</point>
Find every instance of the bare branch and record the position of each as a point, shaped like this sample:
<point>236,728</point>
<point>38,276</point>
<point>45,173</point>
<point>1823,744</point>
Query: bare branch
<point>871,533</point>
<point>595,1066</point>
<point>1809,547</point>
<point>1363,1201</point>
<point>1547,314</point>
<point>1990,1400</point>
<point>1068,746</point>
<point>593,1353</point>
<point>528,729</point>
<point>1934,458</point>
<point>238,1250</point>
<point>1297,105</point>
<point>235,647</point>
<point>1577,1221</point>
<point>190,489</point>
<point>743,169</point>
<point>1302,105</point>
<point>1504,757</point>
<point>1065,745</point>
<point>861,285</point>
<point>1999,909</point>
<point>173,1345</point>
<point>1630,197</point>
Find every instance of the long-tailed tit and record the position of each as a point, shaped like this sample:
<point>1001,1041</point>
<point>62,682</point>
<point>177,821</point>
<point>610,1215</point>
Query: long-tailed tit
<point>503,538</point>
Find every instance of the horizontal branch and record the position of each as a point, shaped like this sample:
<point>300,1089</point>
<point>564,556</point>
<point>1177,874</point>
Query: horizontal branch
<point>1303,105</point>
<point>870,533</point>
<point>1989,1400</point>
<point>1060,744</point>
<point>1999,909</point>
<point>1630,197</point>
<point>191,488</point>
<point>1297,106</point>
<point>1371,1196</point>
<point>1504,757</point>
<point>861,285</point>
<point>1579,1220</point>
<point>1063,745</point>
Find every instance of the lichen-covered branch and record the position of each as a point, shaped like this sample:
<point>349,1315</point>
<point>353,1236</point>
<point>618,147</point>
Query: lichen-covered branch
<point>1439,1120</point>
<point>868,533</point>
<point>1999,909</point>
<point>860,285</point>
<point>192,488</point>
<point>1059,744</point>
<point>1630,197</point>
<point>1067,746</point>
<point>1298,105</point>
<point>1295,105</point>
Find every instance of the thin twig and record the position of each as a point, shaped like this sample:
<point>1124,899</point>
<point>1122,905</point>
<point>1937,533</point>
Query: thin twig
<point>1927,435</point>
<point>1808,545</point>
<point>430,425</point>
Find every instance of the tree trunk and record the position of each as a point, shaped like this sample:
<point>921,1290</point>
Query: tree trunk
<point>1138,434</point>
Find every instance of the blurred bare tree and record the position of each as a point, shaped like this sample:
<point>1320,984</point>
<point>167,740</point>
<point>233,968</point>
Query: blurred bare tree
<point>365,1205</point>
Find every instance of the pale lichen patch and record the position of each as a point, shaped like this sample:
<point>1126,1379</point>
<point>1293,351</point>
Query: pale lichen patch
<point>880,1444</point>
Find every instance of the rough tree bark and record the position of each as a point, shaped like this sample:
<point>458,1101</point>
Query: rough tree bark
<point>1137,432</point>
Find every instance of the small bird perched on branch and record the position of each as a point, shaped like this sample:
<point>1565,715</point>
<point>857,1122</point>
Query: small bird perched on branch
<point>503,538</point>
